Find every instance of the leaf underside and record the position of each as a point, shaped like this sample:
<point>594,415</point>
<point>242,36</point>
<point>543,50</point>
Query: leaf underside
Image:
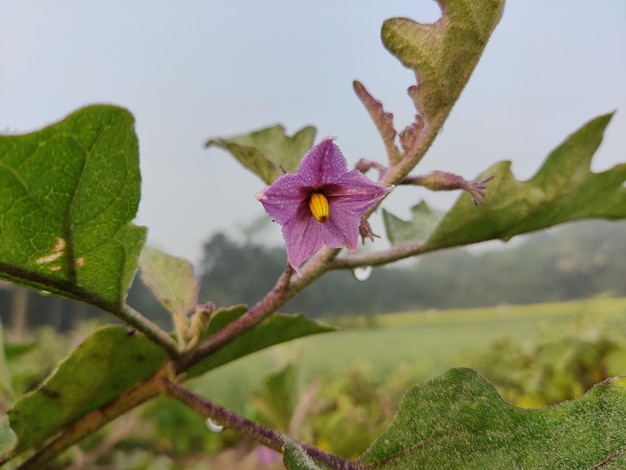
<point>443,54</point>
<point>263,152</point>
<point>173,283</point>
<point>423,221</point>
<point>458,420</point>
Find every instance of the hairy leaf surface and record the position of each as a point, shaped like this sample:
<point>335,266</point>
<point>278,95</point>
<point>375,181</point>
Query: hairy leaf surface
<point>458,420</point>
<point>67,196</point>
<point>295,458</point>
<point>442,54</point>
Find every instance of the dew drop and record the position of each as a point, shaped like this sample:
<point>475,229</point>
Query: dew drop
<point>213,426</point>
<point>44,292</point>
<point>362,273</point>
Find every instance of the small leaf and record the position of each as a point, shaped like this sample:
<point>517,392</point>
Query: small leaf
<point>383,121</point>
<point>423,220</point>
<point>6,388</point>
<point>173,283</point>
<point>443,54</point>
<point>295,458</point>
<point>106,364</point>
<point>459,421</point>
<point>67,195</point>
<point>263,151</point>
<point>563,190</point>
<point>277,399</point>
<point>8,439</point>
<point>276,329</point>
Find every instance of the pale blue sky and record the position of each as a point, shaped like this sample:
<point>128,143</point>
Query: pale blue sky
<point>198,69</point>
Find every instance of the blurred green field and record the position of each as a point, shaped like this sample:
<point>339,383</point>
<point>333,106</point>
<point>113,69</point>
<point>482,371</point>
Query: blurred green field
<point>424,343</point>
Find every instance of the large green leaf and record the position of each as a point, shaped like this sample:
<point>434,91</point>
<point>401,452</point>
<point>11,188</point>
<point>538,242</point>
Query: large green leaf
<point>106,364</point>
<point>265,150</point>
<point>67,195</point>
<point>563,190</point>
<point>276,329</point>
<point>443,54</point>
<point>458,420</point>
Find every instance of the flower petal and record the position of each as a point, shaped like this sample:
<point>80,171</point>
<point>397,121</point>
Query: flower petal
<point>356,193</point>
<point>342,228</point>
<point>349,194</point>
<point>323,164</point>
<point>303,237</point>
<point>282,199</point>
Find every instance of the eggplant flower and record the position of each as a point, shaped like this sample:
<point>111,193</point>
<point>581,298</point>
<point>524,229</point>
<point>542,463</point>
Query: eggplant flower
<point>322,203</point>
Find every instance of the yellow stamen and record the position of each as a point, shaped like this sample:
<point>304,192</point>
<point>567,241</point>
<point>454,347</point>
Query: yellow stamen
<point>318,205</point>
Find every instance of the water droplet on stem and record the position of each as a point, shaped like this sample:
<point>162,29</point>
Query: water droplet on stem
<point>213,426</point>
<point>362,273</point>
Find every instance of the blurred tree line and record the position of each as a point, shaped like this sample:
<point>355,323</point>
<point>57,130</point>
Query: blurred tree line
<point>575,261</point>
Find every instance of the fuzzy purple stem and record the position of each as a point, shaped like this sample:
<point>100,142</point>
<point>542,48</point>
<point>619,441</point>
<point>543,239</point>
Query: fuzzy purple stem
<point>262,434</point>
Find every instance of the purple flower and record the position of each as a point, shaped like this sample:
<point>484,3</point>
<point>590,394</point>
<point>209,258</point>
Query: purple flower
<point>322,203</point>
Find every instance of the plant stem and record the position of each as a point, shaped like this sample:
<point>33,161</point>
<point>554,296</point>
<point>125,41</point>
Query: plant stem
<point>286,287</point>
<point>265,307</point>
<point>380,258</point>
<point>151,330</point>
<point>262,434</point>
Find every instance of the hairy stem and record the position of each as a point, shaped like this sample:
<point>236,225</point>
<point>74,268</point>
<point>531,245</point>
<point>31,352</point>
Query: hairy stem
<point>379,258</point>
<point>262,434</point>
<point>151,330</point>
<point>287,286</point>
<point>264,308</point>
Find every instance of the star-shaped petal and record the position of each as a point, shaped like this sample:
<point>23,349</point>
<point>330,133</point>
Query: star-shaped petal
<point>321,204</point>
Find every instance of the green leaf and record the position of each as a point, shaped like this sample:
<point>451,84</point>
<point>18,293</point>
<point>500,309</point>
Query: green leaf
<point>173,282</point>
<point>6,389</point>
<point>443,54</point>
<point>106,364</point>
<point>563,190</point>
<point>423,220</point>
<point>276,329</point>
<point>277,399</point>
<point>67,195</point>
<point>265,150</point>
<point>8,439</point>
<point>458,420</point>
<point>295,458</point>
